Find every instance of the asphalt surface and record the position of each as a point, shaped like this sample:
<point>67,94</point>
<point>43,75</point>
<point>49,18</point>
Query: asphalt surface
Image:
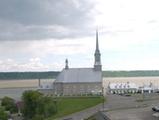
<point>133,114</point>
<point>127,108</point>
<point>120,107</point>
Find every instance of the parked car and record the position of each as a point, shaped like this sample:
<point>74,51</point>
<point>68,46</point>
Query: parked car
<point>155,108</point>
<point>156,115</point>
<point>127,95</point>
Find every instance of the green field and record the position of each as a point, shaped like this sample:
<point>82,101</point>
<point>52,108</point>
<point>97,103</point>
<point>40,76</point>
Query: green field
<point>66,106</point>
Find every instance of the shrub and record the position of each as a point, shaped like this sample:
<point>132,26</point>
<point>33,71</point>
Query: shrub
<point>46,106</point>
<point>9,104</point>
<point>37,106</point>
<point>38,117</point>
<point>30,100</point>
<point>3,114</point>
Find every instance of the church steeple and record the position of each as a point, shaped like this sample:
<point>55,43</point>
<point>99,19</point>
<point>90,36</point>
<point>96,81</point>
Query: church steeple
<point>66,64</point>
<point>97,63</point>
<point>97,45</point>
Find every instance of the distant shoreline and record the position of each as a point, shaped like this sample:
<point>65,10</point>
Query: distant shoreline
<point>33,83</point>
<point>16,79</point>
<point>54,74</point>
<point>18,88</point>
<point>15,88</point>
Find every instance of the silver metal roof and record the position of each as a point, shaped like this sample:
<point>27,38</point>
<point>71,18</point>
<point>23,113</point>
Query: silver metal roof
<point>79,75</point>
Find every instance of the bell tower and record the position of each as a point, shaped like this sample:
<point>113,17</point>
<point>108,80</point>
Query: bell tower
<point>97,56</point>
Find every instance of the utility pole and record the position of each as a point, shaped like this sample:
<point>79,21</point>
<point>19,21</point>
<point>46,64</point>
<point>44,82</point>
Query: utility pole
<point>39,83</point>
<point>103,97</point>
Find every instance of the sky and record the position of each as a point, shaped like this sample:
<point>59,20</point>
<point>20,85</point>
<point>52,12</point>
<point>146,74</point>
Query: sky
<point>38,35</point>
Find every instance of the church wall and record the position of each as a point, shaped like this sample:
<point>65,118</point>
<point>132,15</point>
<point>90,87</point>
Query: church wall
<point>48,92</point>
<point>82,88</point>
<point>58,88</point>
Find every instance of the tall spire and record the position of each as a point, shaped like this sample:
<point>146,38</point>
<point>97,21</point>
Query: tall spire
<point>97,63</point>
<point>97,45</point>
<point>66,64</point>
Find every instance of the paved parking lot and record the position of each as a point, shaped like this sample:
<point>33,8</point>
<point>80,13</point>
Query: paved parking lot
<point>127,108</point>
<point>133,114</point>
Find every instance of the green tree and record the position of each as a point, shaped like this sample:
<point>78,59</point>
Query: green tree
<point>38,117</point>
<point>9,104</point>
<point>37,106</point>
<point>30,99</point>
<point>3,114</point>
<point>46,106</point>
<point>50,109</point>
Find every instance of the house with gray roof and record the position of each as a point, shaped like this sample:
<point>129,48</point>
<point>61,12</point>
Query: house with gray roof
<point>80,81</point>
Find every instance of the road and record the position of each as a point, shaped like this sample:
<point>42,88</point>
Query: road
<point>127,108</point>
<point>122,108</point>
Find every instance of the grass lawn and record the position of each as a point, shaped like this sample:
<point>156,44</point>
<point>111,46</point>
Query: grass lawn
<point>66,106</point>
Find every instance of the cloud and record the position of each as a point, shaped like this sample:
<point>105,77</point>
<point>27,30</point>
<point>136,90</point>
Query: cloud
<point>45,55</point>
<point>34,19</point>
<point>53,30</point>
<point>29,12</point>
<point>35,48</point>
<point>128,21</point>
<point>33,64</point>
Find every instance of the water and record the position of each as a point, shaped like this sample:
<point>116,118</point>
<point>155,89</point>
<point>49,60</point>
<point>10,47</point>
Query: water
<point>14,93</point>
<point>15,88</point>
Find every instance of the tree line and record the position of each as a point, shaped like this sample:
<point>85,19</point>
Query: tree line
<point>53,74</point>
<point>28,75</point>
<point>137,73</point>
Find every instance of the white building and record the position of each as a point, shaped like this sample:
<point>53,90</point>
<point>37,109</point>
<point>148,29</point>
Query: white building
<point>122,88</point>
<point>148,88</point>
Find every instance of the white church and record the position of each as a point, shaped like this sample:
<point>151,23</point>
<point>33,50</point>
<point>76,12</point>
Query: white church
<point>78,81</point>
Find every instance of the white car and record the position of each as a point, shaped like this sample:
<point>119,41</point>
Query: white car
<point>156,115</point>
<point>155,108</point>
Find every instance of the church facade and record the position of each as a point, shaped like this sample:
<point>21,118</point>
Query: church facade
<point>80,81</point>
